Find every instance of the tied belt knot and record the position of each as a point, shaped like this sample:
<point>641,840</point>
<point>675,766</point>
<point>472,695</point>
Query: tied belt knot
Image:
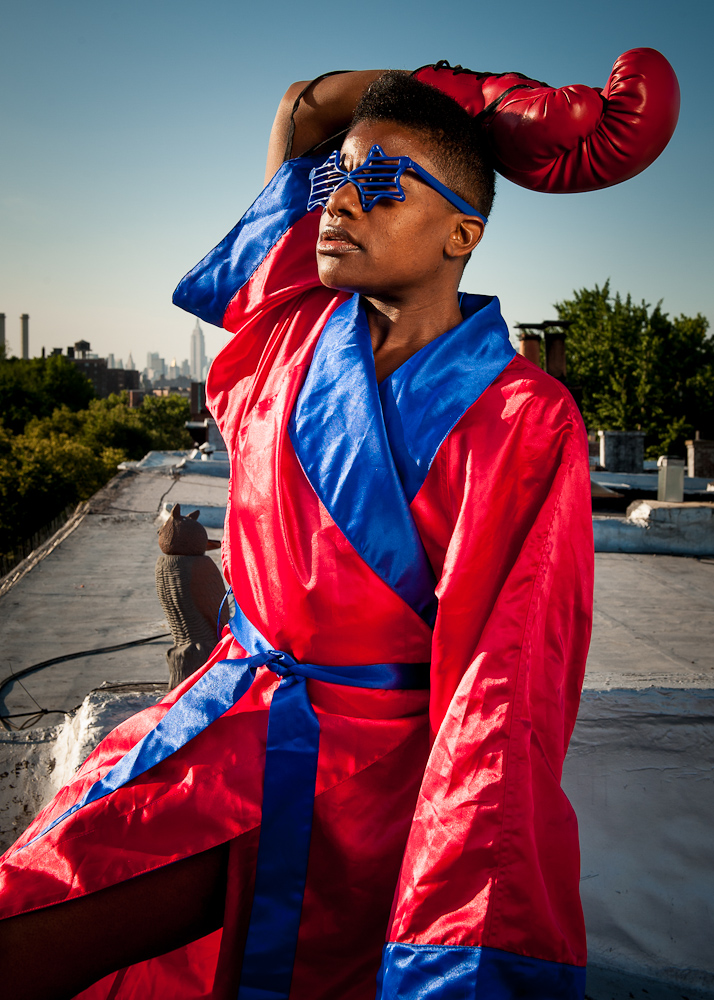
<point>281,663</point>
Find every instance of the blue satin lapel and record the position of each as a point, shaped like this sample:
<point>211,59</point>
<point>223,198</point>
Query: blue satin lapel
<point>367,449</point>
<point>425,398</point>
<point>338,431</point>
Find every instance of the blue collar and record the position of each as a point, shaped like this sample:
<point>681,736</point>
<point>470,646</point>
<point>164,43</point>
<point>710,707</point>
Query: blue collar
<point>366,449</point>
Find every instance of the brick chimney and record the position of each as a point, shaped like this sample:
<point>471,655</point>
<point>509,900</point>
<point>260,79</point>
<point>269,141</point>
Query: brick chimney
<point>555,354</point>
<point>529,346</point>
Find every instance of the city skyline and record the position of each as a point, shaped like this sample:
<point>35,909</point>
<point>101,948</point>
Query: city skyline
<point>114,360</point>
<point>197,353</point>
<point>195,367</point>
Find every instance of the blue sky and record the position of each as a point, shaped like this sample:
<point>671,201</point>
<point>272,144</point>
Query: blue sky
<point>134,136</point>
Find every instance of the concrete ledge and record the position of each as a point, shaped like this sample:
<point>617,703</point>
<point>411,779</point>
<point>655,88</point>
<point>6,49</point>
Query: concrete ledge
<point>608,984</point>
<point>155,460</point>
<point>27,763</point>
<point>644,481</point>
<point>210,468</point>
<point>38,554</point>
<point>653,526</point>
<point>217,465</point>
<point>36,763</point>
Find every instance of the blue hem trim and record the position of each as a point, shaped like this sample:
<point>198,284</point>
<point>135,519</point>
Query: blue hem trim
<point>443,972</point>
<point>208,288</point>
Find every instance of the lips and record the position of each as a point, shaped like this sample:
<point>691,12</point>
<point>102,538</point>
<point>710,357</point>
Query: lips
<point>335,241</point>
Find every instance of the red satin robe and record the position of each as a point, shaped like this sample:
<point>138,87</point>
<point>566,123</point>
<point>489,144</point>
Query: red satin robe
<point>444,807</point>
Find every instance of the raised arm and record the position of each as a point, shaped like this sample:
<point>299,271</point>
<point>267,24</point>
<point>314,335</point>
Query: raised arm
<point>325,110</point>
<point>565,139</point>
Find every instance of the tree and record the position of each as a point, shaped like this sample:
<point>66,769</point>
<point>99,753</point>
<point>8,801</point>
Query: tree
<point>639,369</point>
<point>35,387</point>
<point>60,459</point>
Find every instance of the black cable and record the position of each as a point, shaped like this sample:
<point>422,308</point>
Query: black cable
<point>63,659</point>
<point>32,717</point>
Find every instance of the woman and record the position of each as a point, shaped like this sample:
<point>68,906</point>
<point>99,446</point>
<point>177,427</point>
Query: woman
<point>374,749</point>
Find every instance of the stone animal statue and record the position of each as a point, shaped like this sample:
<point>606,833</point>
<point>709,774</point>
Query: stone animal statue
<point>190,589</point>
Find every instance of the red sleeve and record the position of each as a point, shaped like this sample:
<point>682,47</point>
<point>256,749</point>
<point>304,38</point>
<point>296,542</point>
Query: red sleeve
<point>268,258</point>
<point>493,857</point>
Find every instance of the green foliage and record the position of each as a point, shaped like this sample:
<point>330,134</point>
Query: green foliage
<point>65,457</point>
<point>639,369</point>
<point>34,387</point>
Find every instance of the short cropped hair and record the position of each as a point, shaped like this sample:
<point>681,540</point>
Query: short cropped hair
<point>454,139</point>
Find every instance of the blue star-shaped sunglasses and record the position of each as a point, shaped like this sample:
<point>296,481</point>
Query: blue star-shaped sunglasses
<point>378,177</point>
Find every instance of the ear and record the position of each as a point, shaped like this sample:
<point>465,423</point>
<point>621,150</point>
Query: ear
<point>194,515</point>
<point>176,511</point>
<point>212,544</point>
<point>464,237</point>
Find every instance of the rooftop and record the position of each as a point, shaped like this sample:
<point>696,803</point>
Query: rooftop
<point>96,588</point>
<point>92,586</point>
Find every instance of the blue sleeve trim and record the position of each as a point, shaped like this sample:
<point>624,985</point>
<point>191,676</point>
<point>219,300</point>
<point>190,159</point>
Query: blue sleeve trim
<point>441,972</point>
<point>208,288</point>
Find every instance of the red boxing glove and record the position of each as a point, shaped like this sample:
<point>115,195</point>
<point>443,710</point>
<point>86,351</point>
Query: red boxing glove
<point>574,138</point>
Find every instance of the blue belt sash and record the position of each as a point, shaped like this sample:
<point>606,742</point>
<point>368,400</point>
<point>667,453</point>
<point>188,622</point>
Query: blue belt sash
<point>288,799</point>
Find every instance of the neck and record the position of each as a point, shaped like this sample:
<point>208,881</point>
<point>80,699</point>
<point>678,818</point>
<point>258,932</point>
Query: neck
<point>400,329</point>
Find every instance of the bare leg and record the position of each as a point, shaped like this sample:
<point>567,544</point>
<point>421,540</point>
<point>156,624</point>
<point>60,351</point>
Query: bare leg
<point>55,952</point>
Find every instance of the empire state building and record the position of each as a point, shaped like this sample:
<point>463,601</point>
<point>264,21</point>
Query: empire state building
<point>198,354</point>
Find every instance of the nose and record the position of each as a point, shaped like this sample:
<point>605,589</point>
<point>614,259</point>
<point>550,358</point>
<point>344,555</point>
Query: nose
<point>344,201</point>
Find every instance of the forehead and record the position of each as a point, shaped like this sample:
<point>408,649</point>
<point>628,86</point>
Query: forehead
<point>395,140</point>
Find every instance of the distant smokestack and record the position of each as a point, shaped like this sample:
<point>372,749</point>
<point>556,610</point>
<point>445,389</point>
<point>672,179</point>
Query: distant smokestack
<point>2,333</point>
<point>25,324</point>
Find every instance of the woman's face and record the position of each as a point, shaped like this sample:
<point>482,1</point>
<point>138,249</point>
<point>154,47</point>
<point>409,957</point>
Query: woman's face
<point>398,246</point>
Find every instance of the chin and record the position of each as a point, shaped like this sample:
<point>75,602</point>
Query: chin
<point>337,273</point>
<point>334,272</point>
